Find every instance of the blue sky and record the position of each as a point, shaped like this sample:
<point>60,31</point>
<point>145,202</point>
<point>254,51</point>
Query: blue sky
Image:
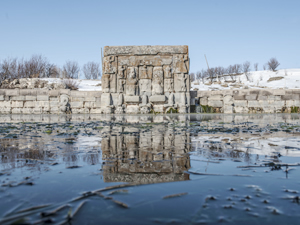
<point>227,31</point>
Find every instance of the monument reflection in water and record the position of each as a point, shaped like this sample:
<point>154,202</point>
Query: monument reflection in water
<point>146,149</point>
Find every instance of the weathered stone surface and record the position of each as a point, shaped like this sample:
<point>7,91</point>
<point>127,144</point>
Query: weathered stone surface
<point>145,50</point>
<point>157,98</point>
<point>1,97</point>
<point>12,92</point>
<point>251,97</point>
<point>215,103</point>
<point>42,97</point>
<point>143,72</point>
<point>133,99</point>
<point>17,104</point>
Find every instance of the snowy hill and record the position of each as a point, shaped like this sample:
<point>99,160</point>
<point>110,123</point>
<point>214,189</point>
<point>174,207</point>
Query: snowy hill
<point>288,78</point>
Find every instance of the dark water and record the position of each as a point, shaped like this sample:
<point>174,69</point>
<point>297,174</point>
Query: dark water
<point>178,169</point>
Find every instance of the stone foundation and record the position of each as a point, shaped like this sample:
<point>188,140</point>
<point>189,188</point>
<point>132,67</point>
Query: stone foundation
<point>247,101</point>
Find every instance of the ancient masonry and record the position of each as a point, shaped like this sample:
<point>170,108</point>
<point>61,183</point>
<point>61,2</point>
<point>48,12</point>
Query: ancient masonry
<point>144,79</point>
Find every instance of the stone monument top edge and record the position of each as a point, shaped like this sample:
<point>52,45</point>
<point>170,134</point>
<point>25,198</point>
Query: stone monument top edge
<point>145,50</point>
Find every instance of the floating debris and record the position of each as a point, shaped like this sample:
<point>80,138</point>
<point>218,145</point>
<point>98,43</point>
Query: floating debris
<point>175,195</point>
<point>122,204</point>
<point>118,191</point>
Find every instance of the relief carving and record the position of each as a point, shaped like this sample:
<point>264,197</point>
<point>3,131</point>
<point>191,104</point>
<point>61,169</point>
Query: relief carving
<point>132,81</point>
<point>180,65</point>
<point>158,81</point>
<point>110,64</point>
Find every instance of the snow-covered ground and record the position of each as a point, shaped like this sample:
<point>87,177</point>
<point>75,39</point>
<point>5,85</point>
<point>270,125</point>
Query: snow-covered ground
<point>84,85</point>
<point>287,78</point>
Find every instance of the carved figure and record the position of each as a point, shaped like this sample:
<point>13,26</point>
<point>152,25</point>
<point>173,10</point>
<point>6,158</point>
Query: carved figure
<point>167,72</point>
<point>157,82</point>
<point>121,72</point>
<point>121,85</point>
<point>110,64</point>
<point>168,85</point>
<point>64,104</point>
<point>105,83</point>
<point>179,64</point>
<point>131,85</point>
<point>183,79</point>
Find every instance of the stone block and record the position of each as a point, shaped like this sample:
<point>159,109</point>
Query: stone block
<point>132,99</point>
<point>17,98</point>
<point>132,109</point>
<point>240,103</point>
<point>90,99</point>
<point>16,110</point>
<point>42,97</point>
<point>95,110</point>
<point>254,103</point>
<point>54,99</point>
<point>273,97</point>
<point>28,92</point>
<point>228,100</point>
<point>251,97</point>
<point>5,110</point>
<point>278,92</point>
<point>78,94</point>
<point>76,105</point>
<point>80,111</point>
<point>64,91</point>
<point>54,93</point>
<point>1,97</point>
<point>54,104</point>
<point>145,50</point>
<point>30,98</point>
<point>287,97</point>
<point>77,99</point>
<point>2,91</point>
<point>42,92</point>
<point>240,109</point>
<point>12,92</point>
<point>157,98</point>
<point>215,103</point>
<point>97,104</point>
<point>4,104</point>
<point>292,103</point>
<point>263,97</point>
<point>158,108</point>
<point>17,104</point>
<point>215,97</point>
<point>106,99</point>
<point>27,110</point>
<point>29,104</point>
<point>227,109</point>
<point>203,101</point>
<point>93,94</point>
<point>89,104</point>
<point>40,104</point>
<point>239,97</point>
<point>266,92</point>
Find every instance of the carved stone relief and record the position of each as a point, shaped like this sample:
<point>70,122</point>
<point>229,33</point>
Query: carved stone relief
<point>132,81</point>
<point>156,78</point>
<point>110,64</point>
<point>158,81</point>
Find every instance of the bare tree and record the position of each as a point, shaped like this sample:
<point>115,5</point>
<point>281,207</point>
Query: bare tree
<point>192,76</point>
<point>91,70</point>
<point>9,69</point>
<point>273,64</point>
<point>51,70</point>
<point>35,66</point>
<point>237,68</point>
<point>265,66</point>
<point>246,69</point>
<point>71,69</point>
<point>256,66</point>
<point>198,75</point>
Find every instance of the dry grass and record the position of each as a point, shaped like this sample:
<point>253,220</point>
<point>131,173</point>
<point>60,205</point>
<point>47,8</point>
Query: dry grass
<point>71,84</point>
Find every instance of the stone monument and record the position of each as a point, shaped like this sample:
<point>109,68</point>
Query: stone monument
<point>145,79</point>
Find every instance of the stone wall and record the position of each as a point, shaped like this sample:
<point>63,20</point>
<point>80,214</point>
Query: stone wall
<point>247,101</point>
<point>144,79</point>
<point>41,101</point>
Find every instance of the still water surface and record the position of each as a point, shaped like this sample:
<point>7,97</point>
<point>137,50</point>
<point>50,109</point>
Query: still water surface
<point>181,169</point>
